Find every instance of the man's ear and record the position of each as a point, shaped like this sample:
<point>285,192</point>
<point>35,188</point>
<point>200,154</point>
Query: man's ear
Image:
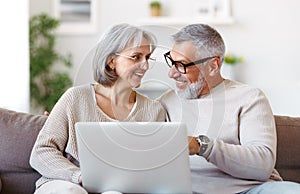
<point>214,66</point>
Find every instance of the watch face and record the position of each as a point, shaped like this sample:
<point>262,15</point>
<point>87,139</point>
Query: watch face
<point>204,139</point>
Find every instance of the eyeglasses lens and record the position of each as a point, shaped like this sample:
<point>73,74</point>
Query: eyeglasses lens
<point>178,65</point>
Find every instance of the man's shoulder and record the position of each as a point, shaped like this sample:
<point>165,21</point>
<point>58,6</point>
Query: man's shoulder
<point>235,85</point>
<point>243,90</point>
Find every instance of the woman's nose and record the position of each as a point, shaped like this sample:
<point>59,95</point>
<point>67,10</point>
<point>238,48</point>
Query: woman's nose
<point>144,65</point>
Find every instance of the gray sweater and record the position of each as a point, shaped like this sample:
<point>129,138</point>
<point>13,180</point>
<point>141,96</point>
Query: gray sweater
<point>55,154</point>
<point>240,123</point>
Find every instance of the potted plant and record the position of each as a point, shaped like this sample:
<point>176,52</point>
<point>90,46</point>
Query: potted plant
<point>230,60</point>
<point>155,7</point>
<point>46,84</point>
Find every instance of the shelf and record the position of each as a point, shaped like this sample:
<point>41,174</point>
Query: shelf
<point>182,21</point>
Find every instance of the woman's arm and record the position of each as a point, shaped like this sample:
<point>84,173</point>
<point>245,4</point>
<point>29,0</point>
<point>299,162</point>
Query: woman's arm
<point>49,156</point>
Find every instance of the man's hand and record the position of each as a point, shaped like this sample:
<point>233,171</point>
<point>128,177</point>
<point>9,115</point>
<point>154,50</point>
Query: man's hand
<point>194,147</point>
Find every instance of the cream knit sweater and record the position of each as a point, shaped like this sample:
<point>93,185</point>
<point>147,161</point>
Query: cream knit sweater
<point>240,123</point>
<point>55,154</point>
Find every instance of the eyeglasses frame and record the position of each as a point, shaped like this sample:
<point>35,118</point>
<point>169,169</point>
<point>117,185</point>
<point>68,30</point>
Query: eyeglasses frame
<point>167,55</point>
<point>129,57</point>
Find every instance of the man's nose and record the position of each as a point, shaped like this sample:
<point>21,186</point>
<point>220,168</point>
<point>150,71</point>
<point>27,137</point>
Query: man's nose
<point>173,73</point>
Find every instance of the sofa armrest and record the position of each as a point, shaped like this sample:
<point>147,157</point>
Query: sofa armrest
<point>288,152</point>
<point>18,132</point>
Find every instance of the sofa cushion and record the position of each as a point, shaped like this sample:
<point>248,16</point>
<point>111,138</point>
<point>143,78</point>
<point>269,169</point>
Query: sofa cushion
<point>288,152</point>
<point>18,132</point>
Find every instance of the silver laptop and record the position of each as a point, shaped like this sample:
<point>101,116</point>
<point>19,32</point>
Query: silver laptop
<point>134,157</point>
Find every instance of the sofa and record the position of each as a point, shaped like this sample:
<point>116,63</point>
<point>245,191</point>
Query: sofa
<point>18,132</point>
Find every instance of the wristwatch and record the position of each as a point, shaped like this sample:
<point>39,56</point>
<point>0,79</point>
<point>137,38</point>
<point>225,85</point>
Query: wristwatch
<point>203,142</point>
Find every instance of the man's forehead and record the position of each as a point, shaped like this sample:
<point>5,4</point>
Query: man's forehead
<point>182,47</point>
<point>189,50</point>
<point>183,50</point>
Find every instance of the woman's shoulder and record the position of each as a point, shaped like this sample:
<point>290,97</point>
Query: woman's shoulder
<point>146,100</point>
<point>79,90</point>
<point>143,97</point>
<point>73,94</point>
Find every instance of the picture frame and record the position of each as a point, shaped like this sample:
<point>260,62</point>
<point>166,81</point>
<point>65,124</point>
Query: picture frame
<point>76,17</point>
<point>220,8</point>
<point>212,8</point>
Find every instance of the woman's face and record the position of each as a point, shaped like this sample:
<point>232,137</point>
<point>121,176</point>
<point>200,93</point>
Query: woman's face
<point>132,63</point>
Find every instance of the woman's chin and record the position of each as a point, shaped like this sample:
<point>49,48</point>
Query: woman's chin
<point>136,84</point>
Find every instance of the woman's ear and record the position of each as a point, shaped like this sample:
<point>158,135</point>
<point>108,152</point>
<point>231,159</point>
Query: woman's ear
<point>214,66</point>
<point>111,62</point>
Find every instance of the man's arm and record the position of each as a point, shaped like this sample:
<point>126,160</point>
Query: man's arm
<point>255,157</point>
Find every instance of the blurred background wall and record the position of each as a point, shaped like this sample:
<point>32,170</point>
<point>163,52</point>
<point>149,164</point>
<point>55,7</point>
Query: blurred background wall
<point>14,49</point>
<point>265,33</point>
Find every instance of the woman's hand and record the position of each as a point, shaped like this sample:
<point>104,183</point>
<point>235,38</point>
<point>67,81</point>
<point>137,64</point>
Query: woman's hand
<point>194,147</point>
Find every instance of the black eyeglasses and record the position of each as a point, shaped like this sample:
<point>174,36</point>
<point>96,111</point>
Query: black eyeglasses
<point>181,67</point>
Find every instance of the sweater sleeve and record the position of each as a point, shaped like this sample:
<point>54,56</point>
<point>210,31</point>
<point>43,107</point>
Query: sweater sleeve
<point>254,158</point>
<point>48,156</point>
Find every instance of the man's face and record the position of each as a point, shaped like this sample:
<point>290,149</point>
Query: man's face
<point>191,84</point>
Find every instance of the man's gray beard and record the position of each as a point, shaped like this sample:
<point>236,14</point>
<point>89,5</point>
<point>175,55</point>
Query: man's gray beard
<point>192,91</point>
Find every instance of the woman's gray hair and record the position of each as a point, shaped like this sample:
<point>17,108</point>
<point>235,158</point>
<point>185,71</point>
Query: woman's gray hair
<point>115,40</point>
<point>204,37</point>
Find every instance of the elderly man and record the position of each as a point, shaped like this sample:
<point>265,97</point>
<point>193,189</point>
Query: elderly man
<point>232,135</point>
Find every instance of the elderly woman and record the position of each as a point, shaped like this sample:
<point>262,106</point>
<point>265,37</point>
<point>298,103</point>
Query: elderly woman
<point>121,60</point>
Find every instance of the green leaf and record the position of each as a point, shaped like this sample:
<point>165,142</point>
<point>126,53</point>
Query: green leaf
<point>46,86</point>
<point>232,59</point>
